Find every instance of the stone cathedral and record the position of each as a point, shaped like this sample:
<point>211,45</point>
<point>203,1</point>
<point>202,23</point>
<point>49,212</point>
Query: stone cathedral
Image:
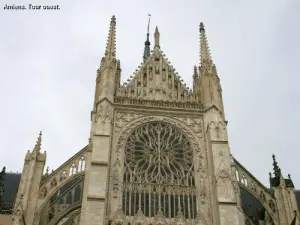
<point>158,154</point>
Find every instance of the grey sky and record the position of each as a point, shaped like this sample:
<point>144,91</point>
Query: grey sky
<point>49,61</point>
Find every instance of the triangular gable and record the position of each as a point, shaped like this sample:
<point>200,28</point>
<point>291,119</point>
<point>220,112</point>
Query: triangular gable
<point>156,79</point>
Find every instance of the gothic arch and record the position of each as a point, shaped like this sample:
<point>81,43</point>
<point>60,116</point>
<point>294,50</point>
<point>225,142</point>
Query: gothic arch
<point>79,176</point>
<point>123,135</point>
<point>199,153</point>
<point>125,131</point>
<point>264,204</point>
<point>64,213</point>
<point>59,186</point>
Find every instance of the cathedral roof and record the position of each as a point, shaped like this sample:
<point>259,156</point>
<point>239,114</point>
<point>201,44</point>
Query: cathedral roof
<point>11,185</point>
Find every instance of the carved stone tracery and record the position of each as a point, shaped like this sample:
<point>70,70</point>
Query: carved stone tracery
<point>159,153</point>
<point>127,123</point>
<point>159,171</point>
<point>104,112</point>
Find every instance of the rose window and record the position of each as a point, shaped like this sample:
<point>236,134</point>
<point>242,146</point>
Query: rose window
<point>159,172</point>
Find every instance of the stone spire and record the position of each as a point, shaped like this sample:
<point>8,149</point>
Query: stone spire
<point>205,57</point>
<point>107,78</point>
<point>156,38</point>
<point>147,42</point>
<point>110,51</point>
<point>210,87</point>
<point>37,147</point>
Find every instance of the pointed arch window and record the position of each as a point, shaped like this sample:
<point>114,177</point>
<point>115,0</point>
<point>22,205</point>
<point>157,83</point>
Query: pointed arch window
<point>81,164</point>
<point>159,172</point>
<point>237,175</point>
<point>244,180</point>
<point>72,169</point>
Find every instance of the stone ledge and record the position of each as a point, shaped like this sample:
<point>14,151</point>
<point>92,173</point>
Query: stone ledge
<point>95,198</point>
<point>228,203</point>
<point>99,163</point>
<point>101,135</point>
<point>219,142</point>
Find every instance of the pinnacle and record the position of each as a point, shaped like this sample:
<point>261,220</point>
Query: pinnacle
<point>205,57</point>
<point>195,72</point>
<point>110,51</point>
<point>113,20</point>
<point>38,144</point>
<point>195,69</point>
<point>277,170</point>
<point>156,37</point>
<point>39,138</point>
<point>147,44</point>
<point>202,26</point>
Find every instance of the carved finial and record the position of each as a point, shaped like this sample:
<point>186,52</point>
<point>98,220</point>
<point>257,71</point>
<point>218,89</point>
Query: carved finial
<point>214,69</point>
<point>37,147</point>
<point>202,26</point>
<point>195,72</point>
<point>277,170</point>
<point>47,171</point>
<point>113,20</point>
<point>119,70</point>
<point>270,175</point>
<point>289,176</point>
<point>156,38</point>
<point>147,42</point>
<point>205,58</point>
<point>110,51</point>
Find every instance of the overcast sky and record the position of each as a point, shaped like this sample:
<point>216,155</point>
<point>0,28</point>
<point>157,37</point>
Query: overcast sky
<point>49,59</point>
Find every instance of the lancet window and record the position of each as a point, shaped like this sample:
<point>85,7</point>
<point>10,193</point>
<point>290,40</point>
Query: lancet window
<point>159,172</point>
<point>244,180</point>
<point>72,169</point>
<point>237,175</point>
<point>81,163</point>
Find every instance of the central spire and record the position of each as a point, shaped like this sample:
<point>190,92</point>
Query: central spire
<point>147,42</point>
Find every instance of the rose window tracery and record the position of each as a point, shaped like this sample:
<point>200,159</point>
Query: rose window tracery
<point>159,172</point>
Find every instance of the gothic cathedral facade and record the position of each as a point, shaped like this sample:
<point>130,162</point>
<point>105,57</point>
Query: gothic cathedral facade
<point>158,154</point>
